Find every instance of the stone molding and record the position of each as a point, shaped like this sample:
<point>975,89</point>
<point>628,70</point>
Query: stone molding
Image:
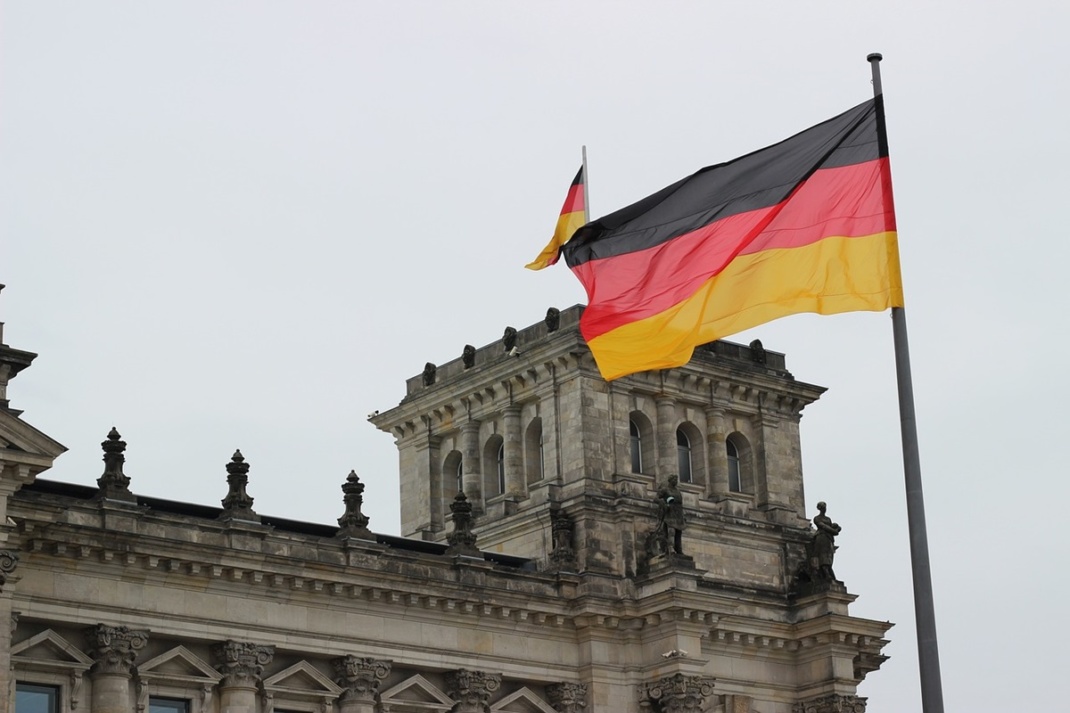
<point>471,689</point>
<point>114,648</point>
<point>676,694</point>
<point>360,677</point>
<point>567,697</point>
<point>241,662</point>
<point>831,703</point>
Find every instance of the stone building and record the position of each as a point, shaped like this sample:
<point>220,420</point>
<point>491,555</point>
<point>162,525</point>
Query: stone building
<point>548,561</point>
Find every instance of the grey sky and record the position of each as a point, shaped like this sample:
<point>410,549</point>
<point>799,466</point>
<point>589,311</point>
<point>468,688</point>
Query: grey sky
<point>244,224</point>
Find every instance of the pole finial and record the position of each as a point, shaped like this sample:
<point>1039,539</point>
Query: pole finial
<point>874,57</point>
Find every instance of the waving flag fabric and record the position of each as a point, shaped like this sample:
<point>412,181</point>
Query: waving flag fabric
<point>805,225</point>
<point>572,217</point>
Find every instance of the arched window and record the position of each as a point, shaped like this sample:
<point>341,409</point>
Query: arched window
<point>460,477</point>
<point>735,480</point>
<point>683,456</point>
<point>534,463</point>
<point>501,468</point>
<point>635,441</point>
<point>452,478</point>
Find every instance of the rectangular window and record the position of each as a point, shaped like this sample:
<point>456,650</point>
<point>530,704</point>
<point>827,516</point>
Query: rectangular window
<point>167,705</point>
<point>32,698</point>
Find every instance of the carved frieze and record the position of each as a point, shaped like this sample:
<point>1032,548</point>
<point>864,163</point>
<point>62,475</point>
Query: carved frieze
<point>676,694</point>
<point>114,648</point>
<point>360,677</point>
<point>567,697</point>
<point>832,703</point>
<point>471,689</point>
<point>241,662</point>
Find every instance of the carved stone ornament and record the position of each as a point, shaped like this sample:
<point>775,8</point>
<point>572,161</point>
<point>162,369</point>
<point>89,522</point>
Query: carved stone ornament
<point>353,522</point>
<point>462,541</point>
<point>553,319</point>
<point>676,694</point>
<point>360,677</point>
<point>816,574</point>
<point>114,484</point>
<point>8,561</point>
<point>114,648</point>
<point>831,703</point>
<point>468,356</point>
<point>757,352</point>
<point>509,338</point>
<point>238,504</point>
<point>562,557</point>
<point>241,662</point>
<point>567,697</point>
<point>430,371</point>
<point>471,690</point>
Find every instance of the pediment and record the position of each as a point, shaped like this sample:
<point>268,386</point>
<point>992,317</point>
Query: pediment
<point>49,649</point>
<point>522,701</point>
<point>18,436</point>
<point>417,693</point>
<point>179,664</point>
<point>302,679</point>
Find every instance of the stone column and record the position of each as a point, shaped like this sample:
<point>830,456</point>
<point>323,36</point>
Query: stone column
<point>360,679</point>
<point>471,689</point>
<point>514,460</point>
<point>113,650</point>
<point>567,697</point>
<point>676,694</point>
<point>242,664</point>
<point>716,453</point>
<point>471,473</point>
<point>666,438</point>
<point>9,560</point>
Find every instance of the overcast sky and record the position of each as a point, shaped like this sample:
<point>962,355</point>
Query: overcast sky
<point>243,224</point>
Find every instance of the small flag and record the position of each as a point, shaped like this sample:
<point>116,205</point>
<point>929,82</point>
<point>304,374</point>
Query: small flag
<point>805,225</point>
<point>572,217</point>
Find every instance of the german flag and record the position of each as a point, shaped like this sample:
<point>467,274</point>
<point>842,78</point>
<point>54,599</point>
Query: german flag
<point>573,215</point>
<point>805,225</point>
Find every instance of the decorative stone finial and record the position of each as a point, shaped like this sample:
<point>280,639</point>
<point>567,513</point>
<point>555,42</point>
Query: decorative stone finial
<point>462,540</point>
<point>831,703</point>
<point>471,689</point>
<point>553,319</point>
<point>354,523</point>
<point>430,371</point>
<point>676,694</point>
<point>114,648</point>
<point>360,677</point>
<point>468,356</point>
<point>114,484</point>
<point>567,697</point>
<point>238,505</point>
<point>509,339</point>
<point>241,662</point>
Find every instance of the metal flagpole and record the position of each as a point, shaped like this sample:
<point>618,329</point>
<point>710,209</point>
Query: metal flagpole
<point>586,190</point>
<point>932,698</point>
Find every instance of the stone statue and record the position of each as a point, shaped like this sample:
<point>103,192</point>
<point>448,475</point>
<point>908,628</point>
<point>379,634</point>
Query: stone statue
<point>509,339</point>
<point>823,546</point>
<point>671,515</point>
<point>553,319</point>
<point>468,356</point>
<point>430,370</point>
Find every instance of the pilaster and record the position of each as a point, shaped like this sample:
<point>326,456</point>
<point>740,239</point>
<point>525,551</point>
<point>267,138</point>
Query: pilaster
<point>471,689</point>
<point>360,679</point>
<point>242,665</point>
<point>113,650</point>
<point>471,474</point>
<point>513,446</point>
<point>665,436</point>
